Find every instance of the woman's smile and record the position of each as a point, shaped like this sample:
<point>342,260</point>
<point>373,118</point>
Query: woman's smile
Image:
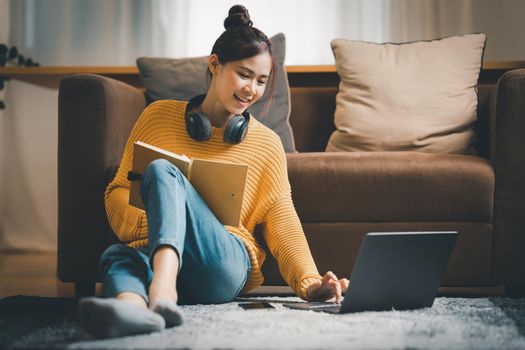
<point>242,101</point>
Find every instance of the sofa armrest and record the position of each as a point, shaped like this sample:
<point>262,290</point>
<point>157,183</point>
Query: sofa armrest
<point>95,116</point>
<point>509,165</point>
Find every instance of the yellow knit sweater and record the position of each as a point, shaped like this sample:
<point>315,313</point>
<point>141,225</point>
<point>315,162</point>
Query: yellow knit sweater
<point>267,199</point>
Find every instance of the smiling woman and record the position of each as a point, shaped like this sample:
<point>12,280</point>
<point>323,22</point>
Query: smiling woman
<point>236,85</point>
<point>177,251</point>
<point>240,67</point>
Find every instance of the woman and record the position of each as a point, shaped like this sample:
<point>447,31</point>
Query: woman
<point>177,251</point>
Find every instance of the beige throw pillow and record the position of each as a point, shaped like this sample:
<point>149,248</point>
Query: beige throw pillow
<point>418,96</point>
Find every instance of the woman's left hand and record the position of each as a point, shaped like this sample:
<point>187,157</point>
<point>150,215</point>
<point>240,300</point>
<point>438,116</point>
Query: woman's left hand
<point>330,287</point>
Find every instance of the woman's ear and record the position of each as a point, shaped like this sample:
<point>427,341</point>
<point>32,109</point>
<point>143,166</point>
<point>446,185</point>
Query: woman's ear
<point>213,63</point>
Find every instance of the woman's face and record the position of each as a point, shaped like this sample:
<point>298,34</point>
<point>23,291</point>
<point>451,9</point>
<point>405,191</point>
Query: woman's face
<point>239,84</point>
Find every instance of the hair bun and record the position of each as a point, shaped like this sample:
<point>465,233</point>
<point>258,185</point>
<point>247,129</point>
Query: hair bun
<point>238,16</point>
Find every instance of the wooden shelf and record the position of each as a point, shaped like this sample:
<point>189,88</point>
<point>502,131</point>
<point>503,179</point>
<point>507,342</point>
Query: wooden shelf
<point>51,76</point>
<point>320,75</point>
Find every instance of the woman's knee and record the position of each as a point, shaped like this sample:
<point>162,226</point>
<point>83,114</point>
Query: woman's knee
<point>109,256</point>
<point>115,251</point>
<point>118,255</point>
<point>159,168</point>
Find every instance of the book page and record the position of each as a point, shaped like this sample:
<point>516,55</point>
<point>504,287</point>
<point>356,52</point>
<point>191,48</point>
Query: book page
<point>220,184</point>
<point>144,153</point>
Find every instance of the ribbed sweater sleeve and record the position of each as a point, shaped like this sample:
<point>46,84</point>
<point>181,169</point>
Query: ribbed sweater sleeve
<point>285,239</point>
<point>284,234</point>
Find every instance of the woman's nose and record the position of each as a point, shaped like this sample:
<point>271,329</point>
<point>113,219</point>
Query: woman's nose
<point>249,88</point>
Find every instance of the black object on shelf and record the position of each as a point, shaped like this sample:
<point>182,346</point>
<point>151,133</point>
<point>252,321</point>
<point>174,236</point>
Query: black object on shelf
<point>13,57</point>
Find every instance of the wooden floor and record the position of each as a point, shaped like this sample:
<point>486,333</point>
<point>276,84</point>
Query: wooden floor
<point>35,274</point>
<point>32,274</point>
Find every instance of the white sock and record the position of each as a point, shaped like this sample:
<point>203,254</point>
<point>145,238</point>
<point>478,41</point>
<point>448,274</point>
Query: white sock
<point>109,318</point>
<point>169,310</point>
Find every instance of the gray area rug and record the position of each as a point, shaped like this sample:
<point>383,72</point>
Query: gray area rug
<point>452,323</point>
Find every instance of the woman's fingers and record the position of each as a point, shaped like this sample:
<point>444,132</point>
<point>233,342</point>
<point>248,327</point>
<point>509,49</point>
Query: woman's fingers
<point>329,288</point>
<point>332,286</point>
<point>335,289</point>
<point>329,276</point>
<point>344,284</point>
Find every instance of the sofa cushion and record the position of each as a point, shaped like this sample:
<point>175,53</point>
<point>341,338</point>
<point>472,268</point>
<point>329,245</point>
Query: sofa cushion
<point>391,187</point>
<point>418,96</point>
<point>183,78</point>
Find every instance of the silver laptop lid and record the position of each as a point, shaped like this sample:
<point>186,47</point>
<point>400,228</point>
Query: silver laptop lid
<point>398,270</point>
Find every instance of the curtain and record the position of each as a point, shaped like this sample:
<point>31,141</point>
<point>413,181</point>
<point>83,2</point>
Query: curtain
<point>309,25</point>
<point>429,19</point>
<point>116,32</point>
<point>502,22</point>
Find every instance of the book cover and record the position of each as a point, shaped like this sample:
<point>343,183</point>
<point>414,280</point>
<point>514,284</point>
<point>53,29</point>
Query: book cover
<point>220,184</point>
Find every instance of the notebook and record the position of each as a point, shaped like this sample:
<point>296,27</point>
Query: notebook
<point>221,184</point>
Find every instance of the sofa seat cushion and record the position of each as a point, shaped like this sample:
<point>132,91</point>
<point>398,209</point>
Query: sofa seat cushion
<point>391,187</point>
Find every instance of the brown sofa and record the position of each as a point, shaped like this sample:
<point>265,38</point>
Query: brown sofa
<point>338,196</point>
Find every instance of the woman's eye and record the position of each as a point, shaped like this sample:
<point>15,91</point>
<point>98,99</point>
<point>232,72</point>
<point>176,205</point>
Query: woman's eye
<point>261,83</point>
<point>243,75</point>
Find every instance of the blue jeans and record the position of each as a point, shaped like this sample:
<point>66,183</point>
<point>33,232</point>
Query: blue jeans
<point>214,264</point>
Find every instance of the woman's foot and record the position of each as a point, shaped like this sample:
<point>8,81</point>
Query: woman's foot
<point>164,303</point>
<point>163,288</point>
<point>110,318</point>
<point>169,310</point>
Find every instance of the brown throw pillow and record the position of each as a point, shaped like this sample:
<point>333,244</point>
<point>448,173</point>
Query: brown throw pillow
<point>418,96</point>
<point>183,78</point>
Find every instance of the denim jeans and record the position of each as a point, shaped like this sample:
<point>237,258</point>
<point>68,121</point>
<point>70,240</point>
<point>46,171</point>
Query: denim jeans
<point>214,264</point>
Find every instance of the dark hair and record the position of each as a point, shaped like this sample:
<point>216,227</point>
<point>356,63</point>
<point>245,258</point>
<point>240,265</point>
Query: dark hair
<point>242,40</point>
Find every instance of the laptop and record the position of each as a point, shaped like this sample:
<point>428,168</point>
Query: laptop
<point>393,270</point>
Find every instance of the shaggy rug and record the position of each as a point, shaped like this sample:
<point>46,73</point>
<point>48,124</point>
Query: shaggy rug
<point>452,323</point>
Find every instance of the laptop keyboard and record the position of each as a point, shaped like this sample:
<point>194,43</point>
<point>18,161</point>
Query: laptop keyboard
<point>332,309</point>
<point>317,306</point>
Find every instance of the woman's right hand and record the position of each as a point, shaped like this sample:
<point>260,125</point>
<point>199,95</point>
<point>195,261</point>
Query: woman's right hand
<point>330,288</point>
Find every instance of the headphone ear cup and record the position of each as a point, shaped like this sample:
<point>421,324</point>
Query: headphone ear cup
<point>235,130</point>
<point>198,126</point>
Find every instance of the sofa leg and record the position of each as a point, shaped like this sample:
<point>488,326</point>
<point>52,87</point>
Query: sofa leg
<point>84,289</point>
<point>515,291</point>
